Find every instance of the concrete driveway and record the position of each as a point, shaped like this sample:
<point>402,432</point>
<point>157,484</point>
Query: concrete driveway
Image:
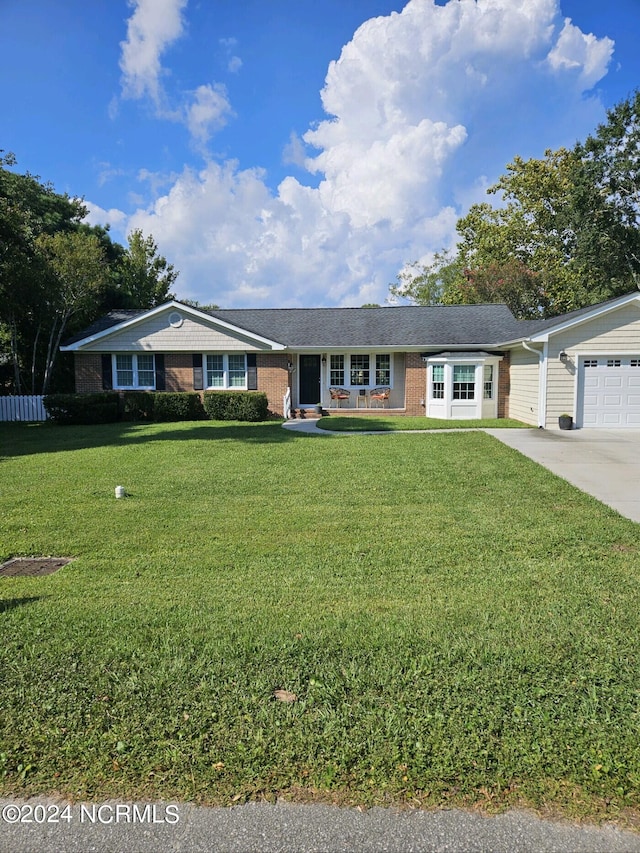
<point>604,463</point>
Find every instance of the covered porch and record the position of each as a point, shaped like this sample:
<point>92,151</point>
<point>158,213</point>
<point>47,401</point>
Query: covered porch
<point>352,383</point>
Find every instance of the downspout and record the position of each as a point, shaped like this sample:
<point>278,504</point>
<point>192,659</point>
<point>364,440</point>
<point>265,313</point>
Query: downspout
<point>542,381</point>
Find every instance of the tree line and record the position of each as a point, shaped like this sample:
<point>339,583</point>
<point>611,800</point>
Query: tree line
<point>59,274</point>
<point>563,235</point>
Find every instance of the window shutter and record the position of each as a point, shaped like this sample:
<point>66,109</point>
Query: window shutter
<point>160,374</point>
<point>198,376</point>
<point>107,373</point>
<point>252,372</point>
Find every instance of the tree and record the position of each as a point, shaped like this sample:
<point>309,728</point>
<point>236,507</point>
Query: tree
<point>607,190</point>
<point>566,233</point>
<point>78,273</point>
<point>511,282</point>
<point>431,283</point>
<point>58,273</point>
<point>28,208</point>
<point>195,304</point>
<point>533,230</point>
<point>145,276</point>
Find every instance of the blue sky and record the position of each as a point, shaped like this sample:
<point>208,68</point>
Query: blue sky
<point>296,152</point>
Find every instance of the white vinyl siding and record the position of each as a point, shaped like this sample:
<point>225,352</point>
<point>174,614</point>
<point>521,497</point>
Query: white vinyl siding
<point>524,380</point>
<point>614,335</point>
<point>157,334</point>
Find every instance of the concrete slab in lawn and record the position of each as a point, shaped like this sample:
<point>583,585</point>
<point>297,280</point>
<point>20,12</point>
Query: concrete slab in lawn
<point>604,463</point>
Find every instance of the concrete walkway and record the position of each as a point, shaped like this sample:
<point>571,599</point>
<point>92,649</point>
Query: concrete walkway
<point>604,463</point>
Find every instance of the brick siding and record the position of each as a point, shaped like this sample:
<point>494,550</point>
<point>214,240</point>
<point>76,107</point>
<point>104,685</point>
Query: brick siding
<point>504,386</point>
<point>415,384</point>
<point>88,371</point>
<point>178,371</point>
<point>273,378</point>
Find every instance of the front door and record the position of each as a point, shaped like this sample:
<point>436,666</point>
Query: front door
<point>309,380</point>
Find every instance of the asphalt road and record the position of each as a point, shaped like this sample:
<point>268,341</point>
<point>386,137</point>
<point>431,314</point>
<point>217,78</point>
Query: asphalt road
<point>262,828</point>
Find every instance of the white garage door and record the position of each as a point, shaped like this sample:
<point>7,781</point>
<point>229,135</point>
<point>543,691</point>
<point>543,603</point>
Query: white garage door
<point>611,391</point>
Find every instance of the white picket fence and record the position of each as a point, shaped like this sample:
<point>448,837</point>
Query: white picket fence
<point>22,409</point>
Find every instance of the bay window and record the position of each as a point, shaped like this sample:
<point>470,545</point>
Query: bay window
<point>462,385</point>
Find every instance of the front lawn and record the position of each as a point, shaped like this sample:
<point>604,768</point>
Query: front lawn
<point>388,423</point>
<point>457,625</point>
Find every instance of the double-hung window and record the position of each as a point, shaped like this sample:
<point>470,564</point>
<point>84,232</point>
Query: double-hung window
<point>488,382</point>
<point>135,371</point>
<point>360,370</point>
<point>383,369</point>
<point>226,370</point>
<point>464,381</point>
<point>337,370</point>
<point>437,381</point>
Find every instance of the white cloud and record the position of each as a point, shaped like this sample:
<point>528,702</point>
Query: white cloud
<point>208,112</point>
<point>583,54</point>
<point>97,215</point>
<point>424,107</point>
<point>154,25</point>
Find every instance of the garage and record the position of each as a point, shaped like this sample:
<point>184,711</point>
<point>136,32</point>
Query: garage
<point>610,391</point>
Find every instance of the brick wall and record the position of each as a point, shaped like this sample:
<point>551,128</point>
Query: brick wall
<point>415,384</point>
<point>88,371</point>
<point>504,386</point>
<point>178,369</point>
<point>273,378</point>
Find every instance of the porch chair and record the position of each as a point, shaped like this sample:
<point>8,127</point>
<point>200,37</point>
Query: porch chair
<point>380,397</point>
<point>338,395</point>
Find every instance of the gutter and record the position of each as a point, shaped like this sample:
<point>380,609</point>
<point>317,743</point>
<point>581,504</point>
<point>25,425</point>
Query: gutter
<point>542,381</point>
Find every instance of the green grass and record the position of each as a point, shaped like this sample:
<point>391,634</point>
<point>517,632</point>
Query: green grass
<point>387,423</point>
<point>459,625</point>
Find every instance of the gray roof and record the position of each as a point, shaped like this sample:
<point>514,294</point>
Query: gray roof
<point>488,325</point>
<point>402,326</point>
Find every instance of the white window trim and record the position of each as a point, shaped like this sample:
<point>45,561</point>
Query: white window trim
<point>225,368</point>
<point>134,364</point>
<point>372,369</point>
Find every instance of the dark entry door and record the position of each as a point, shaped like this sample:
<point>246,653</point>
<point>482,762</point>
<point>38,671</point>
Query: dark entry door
<point>309,380</point>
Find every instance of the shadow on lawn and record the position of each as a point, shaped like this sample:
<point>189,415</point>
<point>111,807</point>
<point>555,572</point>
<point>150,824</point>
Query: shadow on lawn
<point>27,439</point>
<point>9,603</point>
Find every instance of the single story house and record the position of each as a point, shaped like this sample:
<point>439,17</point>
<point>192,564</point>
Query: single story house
<point>453,361</point>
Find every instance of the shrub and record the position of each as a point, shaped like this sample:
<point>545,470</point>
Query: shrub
<point>182,406</point>
<point>138,405</point>
<point>101,408</point>
<point>236,405</point>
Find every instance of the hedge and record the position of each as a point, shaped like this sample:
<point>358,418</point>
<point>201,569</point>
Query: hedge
<point>179,406</point>
<point>109,406</point>
<point>101,408</point>
<point>236,405</point>
<point>138,405</point>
